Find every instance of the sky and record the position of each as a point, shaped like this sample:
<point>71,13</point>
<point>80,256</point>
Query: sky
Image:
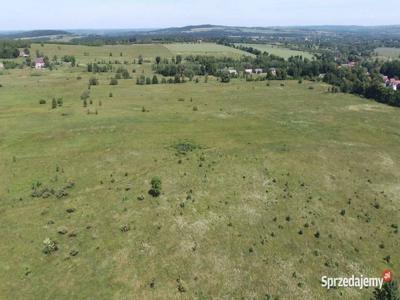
<point>101,14</point>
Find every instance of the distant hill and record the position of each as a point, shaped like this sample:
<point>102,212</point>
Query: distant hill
<point>219,31</point>
<point>34,34</point>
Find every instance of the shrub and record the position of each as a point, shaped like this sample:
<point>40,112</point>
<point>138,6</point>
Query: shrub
<point>53,103</point>
<point>154,80</point>
<point>42,101</point>
<point>50,246</point>
<point>85,95</point>
<point>110,95</point>
<point>389,291</point>
<point>148,80</point>
<point>185,146</point>
<point>114,81</point>
<point>155,189</point>
<point>93,81</point>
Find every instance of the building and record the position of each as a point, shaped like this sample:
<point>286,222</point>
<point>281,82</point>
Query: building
<point>258,71</point>
<point>232,72</point>
<point>23,54</point>
<point>349,65</point>
<point>39,63</point>
<point>248,71</point>
<point>1,65</point>
<point>272,71</point>
<point>392,83</point>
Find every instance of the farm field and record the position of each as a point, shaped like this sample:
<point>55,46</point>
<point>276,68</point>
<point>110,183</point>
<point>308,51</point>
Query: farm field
<point>279,51</point>
<point>204,49</point>
<point>86,54</point>
<point>387,52</point>
<point>265,188</point>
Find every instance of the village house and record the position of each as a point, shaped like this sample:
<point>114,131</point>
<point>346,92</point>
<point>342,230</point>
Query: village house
<point>258,71</point>
<point>23,54</point>
<point>232,72</point>
<point>39,63</point>
<point>349,65</point>
<point>272,71</point>
<point>392,83</point>
<point>248,71</point>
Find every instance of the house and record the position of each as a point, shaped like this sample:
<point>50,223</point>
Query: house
<point>272,71</point>
<point>1,65</point>
<point>258,71</point>
<point>392,83</point>
<point>232,72</point>
<point>248,71</point>
<point>39,63</point>
<point>349,65</point>
<point>23,53</point>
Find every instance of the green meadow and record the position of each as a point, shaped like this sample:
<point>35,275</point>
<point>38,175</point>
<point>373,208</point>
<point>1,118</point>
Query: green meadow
<point>278,50</point>
<point>265,188</point>
<point>387,52</point>
<point>211,49</point>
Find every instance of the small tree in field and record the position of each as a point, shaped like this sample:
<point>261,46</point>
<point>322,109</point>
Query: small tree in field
<point>155,80</point>
<point>155,189</point>
<point>389,291</point>
<point>54,103</point>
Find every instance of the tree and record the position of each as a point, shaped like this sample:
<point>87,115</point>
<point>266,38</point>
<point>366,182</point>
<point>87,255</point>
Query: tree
<point>178,59</point>
<point>158,60</point>
<point>225,77</point>
<point>155,80</point>
<point>148,80</point>
<point>389,291</point>
<point>155,189</point>
<point>140,60</point>
<point>114,81</point>
<point>93,81</point>
<point>54,103</point>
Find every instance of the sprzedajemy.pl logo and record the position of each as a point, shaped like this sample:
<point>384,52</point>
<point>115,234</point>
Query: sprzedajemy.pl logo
<point>356,282</point>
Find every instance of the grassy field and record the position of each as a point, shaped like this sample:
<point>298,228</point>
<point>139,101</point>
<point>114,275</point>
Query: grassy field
<point>386,52</point>
<point>86,54</point>
<point>284,184</point>
<point>279,51</point>
<point>204,49</point>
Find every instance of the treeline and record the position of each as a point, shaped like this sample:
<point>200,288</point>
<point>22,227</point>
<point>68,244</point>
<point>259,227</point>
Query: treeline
<point>10,48</point>
<point>295,67</point>
<point>391,68</point>
<point>363,81</point>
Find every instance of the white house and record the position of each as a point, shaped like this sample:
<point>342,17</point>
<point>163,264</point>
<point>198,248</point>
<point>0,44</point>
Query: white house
<point>258,71</point>
<point>39,63</point>
<point>248,71</point>
<point>272,71</point>
<point>232,72</point>
<point>23,54</point>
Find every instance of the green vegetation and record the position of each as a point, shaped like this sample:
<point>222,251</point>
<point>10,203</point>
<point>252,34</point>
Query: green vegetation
<point>387,52</point>
<point>245,189</point>
<point>277,50</point>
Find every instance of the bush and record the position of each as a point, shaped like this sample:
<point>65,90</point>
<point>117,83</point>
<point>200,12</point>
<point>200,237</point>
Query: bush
<point>53,103</point>
<point>155,80</point>
<point>85,95</point>
<point>155,189</point>
<point>42,101</point>
<point>93,81</point>
<point>114,81</point>
<point>389,291</point>
<point>50,246</point>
